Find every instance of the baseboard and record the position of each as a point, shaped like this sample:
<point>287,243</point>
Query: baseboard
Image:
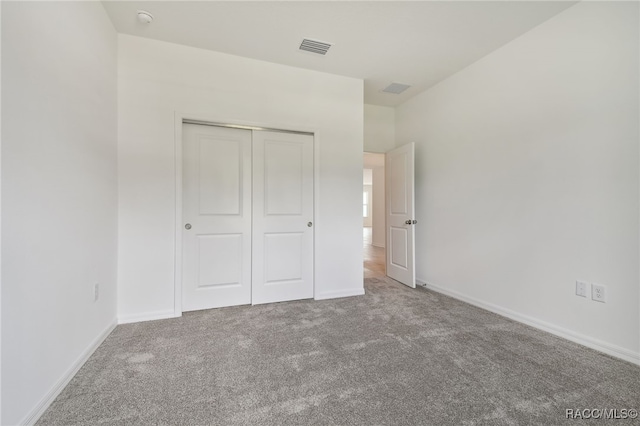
<point>53,393</point>
<point>340,293</point>
<point>581,339</point>
<point>148,316</point>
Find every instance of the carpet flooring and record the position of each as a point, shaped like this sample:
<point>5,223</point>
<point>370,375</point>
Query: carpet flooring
<point>395,356</point>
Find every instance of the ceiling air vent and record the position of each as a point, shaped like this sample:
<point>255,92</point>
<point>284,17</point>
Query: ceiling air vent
<point>315,46</point>
<point>396,88</point>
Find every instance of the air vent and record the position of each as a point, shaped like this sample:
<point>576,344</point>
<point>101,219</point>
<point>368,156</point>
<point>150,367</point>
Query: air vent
<point>315,46</point>
<point>396,88</point>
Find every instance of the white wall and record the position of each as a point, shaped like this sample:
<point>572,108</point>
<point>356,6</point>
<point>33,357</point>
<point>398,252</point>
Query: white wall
<point>378,223</point>
<point>379,128</point>
<point>375,162</point>
<point>368,221</point>
<point>59,199</point>
<point>0,217</point>
<point>379,137</point>
<point>158,79</point>
<point>367,175</point>
<point>527,176</point>
<point>367,186</point>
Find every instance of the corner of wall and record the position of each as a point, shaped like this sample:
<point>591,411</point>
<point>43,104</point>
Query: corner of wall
<point>379,128</point>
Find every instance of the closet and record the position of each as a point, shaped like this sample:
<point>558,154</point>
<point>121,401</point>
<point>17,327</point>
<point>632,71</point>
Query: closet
<point>247,208</point>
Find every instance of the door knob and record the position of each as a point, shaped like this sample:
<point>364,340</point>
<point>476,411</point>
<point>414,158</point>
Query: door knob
<point>309,224</point>
<point>407,222</point>
<point>187,226</point>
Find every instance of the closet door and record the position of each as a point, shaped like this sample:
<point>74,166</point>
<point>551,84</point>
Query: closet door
<point>282,217</point>
<point>217,217</point>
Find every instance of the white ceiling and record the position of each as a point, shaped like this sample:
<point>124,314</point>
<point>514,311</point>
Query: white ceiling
<point>417,42</point>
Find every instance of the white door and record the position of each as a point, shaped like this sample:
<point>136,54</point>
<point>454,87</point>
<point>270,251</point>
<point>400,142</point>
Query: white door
<point>217,217</point>
<point>282,217</point>
<point>400,214</point>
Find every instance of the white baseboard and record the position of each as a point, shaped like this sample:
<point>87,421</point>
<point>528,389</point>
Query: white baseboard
<point>590,342</point>
<point>340,293</point>
<point>148,316</point>
<point>50,396</point>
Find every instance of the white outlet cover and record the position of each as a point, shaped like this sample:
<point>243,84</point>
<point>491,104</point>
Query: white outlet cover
<point>582,288</point>
<point>599,293</point>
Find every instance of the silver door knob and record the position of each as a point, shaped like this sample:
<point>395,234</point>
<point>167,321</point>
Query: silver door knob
<point>187,226</point>
<point>309,224</point>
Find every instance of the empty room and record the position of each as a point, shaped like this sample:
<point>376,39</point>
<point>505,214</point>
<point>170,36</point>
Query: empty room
<point>185,185</point>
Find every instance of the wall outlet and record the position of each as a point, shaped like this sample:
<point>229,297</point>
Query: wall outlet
<point>96,292</point>
<point>582,288</point>
<point>599,293</point>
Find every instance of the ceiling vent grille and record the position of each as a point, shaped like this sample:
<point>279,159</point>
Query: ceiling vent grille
<point>315,46</point>
<point>396,88</point>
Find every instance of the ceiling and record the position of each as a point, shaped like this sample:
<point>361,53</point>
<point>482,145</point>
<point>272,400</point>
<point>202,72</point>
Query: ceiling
<point>417,42</point>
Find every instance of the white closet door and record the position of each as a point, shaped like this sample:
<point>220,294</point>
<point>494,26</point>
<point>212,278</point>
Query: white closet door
<point>217,211</point>
<point>282,217</point>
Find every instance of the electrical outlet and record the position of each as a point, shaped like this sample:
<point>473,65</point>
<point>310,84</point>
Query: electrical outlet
<point>582,288</point>
<point>96,292</point>
<point>599,293</point>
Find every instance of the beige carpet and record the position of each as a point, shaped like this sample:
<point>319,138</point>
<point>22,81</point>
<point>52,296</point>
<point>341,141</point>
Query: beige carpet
<point>395,356</point>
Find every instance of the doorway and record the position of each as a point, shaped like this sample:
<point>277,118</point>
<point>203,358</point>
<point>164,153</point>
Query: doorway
<point>373,215</point>
<point>390,180</point>
<point>247,208</point>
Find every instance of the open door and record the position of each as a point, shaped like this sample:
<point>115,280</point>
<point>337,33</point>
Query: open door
<point>400,215</point>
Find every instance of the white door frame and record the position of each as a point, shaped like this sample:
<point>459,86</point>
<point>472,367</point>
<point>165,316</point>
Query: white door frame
<point>179,118</point>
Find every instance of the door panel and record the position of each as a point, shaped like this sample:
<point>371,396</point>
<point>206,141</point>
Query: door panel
<point>397,172</point>
<point>283,177</point>
<point>282,209</point>
<point>283,257</point>
<point>220,177</point>
<point>226,249</point>
<point>399,186</point>
<point>398,255</point>
<point>217,205</point>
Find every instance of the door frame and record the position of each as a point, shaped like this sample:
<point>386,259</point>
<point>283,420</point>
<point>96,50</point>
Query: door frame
<point>179,118</point>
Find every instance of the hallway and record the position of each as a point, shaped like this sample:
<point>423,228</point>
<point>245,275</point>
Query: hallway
<point>374,257</point>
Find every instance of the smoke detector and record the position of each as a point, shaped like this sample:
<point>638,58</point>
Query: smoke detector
<point>315,46</point>
<point>144,17</point>
<point>396,88</point>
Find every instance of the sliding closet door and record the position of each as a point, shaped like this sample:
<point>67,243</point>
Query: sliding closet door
<point>217,217</point>
<point>282,217</point>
